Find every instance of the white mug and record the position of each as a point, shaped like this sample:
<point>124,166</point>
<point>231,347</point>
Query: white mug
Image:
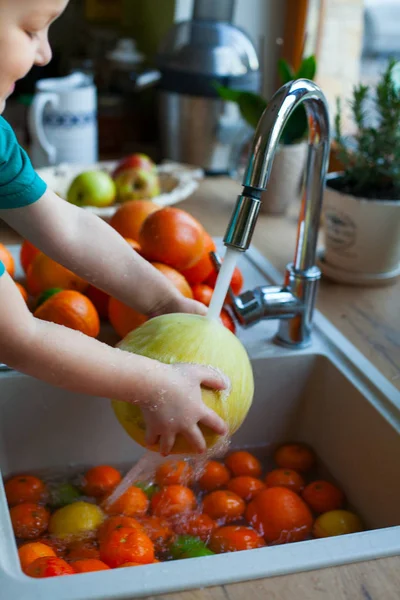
<point>63,121</point>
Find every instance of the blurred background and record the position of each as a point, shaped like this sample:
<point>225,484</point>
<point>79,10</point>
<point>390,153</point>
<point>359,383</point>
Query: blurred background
<point>194,42</point>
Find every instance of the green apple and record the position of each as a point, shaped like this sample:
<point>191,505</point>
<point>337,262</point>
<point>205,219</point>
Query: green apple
<point>92,188</point>
<point>137,184</point>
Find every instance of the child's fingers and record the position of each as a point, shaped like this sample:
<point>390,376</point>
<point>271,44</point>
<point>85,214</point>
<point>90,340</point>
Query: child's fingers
<point>195,438</point>
<point>151,437</point>
<point>214,422</point>
<point>167,442</point>
<point>212,378</point>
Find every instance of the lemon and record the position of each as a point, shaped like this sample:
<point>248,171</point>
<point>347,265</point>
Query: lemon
<point>186,338</point>
<point>337,522</point>
<point>78,518</point>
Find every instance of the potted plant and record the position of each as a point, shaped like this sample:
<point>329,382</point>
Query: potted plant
<point>287,171</point>
<point>362,203</point>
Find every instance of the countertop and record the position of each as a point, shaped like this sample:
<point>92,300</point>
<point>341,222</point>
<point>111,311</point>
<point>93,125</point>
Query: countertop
<point>370,319</point>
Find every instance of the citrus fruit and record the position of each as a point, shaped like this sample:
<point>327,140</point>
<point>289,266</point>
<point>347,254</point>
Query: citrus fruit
<point>232,538</point>
<point>99,300</point>
<point>174,472</point>
<point>31,551</point>
<point>337,522</point>
<point>129,218</point>
<point>22,291</point>
<point>323,496</point>
<point>285,478</point>
<point>176,278</point>
<point>280,516</point>
<point>63,494</point>
<point>29,520</point>
<point>223,505</point>
<point>24,488</point>
<point>71,309</point>
<point>127,545</point>
<point>7,259</point>
<point>79,518</point>
<point>245,486</point>
<point>27,254</point>
<point>173,500</point>
<point>199,272</point>
<point>49,566</point>
<point>214,475</point>
<point>44,273</point>
<point>243,463</point>
<point>123,318</point>
<point>298,457</point>
<point>132,503</point>
<point>100,480</point>
<point>173,237</point>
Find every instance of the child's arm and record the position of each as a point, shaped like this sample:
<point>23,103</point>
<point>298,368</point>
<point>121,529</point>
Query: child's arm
<point>69,359</point>
<point>93,250</point>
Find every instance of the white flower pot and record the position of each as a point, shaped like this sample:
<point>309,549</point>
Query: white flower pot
<point>284,186</point>
<point>361,236</point>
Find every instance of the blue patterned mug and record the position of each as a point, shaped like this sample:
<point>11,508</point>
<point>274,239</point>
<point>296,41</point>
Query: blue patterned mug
<point>63,121</point>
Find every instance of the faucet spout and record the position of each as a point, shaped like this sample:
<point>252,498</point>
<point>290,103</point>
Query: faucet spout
<point>301,276</point>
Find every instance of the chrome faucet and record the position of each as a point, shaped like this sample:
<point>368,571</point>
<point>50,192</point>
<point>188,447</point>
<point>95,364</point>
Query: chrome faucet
<point>293,303</point>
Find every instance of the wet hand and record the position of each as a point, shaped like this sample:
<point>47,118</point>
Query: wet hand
<point>178,407</point>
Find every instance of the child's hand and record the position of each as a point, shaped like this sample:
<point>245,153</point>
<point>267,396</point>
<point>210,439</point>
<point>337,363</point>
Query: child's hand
<point>180,304</point>
<point>179,408</point>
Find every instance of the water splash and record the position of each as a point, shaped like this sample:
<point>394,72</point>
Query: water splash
<point>223,283</point>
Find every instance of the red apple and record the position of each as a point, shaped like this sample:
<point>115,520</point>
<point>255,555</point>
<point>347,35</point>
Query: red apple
<point>137,184</point>
<point>134,161</point>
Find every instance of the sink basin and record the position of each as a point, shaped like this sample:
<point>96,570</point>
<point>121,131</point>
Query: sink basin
<point>328,395</point>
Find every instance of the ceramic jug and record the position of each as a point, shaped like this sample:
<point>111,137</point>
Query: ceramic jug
<point>63,121</point>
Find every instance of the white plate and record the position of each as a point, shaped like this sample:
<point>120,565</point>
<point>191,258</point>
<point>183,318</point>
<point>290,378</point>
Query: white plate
<point>177,182</point>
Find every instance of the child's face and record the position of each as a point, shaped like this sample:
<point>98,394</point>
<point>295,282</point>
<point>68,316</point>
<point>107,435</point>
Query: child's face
<point>24,25</point>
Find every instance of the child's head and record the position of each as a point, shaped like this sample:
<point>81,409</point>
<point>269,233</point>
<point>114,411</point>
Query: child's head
<point>24,25</point>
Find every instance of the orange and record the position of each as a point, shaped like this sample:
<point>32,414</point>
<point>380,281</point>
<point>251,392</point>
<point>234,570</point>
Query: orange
<point>31,551</point>
<point>173,472</point>
<point>100,480</point>
<point>233,538</point>
<point>99,300</point>
<point>81,549</point>
<point>173,237</point>
<point>7,259</point>
<point>280,516</point>
<point>24,488</point>
<point>223,505</point>
<point>54,543</point>
<point>127,545</point>
<point>86,565</point>
<point>173,500</point>
<point>176,278</point>
<point>22,290</point>
<point>49,566</point>
<point>113,523</point>
<point>298,457</point>
<point>71,309</point>
<point>129,218</point>
<point>200,526</point>
<point>337,522</point>
<point>285,478</point>
<point>243,463</point>
<point>134,245</point>
<point>323,496</point>
<point>202,293</point>
<point>227,320</point>
<point>199,272</point>
<point>29,520</point>
<point>132,503</point>
<point>236,281</point>
<point>215,475</point>
<point>27,254</point>
<point>159,531</point>
<point>245,486</point>
<point>124,318</point>
<point>44,273</point>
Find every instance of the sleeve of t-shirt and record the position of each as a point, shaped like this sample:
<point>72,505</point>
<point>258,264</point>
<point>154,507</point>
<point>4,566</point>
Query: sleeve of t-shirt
<point>20,185</point>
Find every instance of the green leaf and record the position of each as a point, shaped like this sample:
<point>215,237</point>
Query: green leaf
<point>285,71</point>
<point>148,488</point>
<point>251,105</point>
<point>188,546</point>
<point>307,69</point>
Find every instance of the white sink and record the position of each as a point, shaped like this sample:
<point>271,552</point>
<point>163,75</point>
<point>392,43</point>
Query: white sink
<point>328,395</point>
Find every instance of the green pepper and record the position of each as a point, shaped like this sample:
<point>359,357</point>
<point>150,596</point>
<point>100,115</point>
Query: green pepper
<point>63,494</point>
<point>188,546</point>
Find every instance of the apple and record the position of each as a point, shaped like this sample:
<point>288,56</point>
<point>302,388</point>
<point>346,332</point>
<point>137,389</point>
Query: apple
<point>135,161</point>
<point>137,184</point>
<point>92,188</point>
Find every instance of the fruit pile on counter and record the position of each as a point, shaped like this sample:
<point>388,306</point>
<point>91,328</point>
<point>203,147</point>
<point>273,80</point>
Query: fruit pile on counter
<point>169,238</point>
<point>64,526</point>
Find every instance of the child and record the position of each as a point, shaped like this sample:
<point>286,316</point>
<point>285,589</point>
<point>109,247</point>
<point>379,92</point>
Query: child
<point>70,235</point>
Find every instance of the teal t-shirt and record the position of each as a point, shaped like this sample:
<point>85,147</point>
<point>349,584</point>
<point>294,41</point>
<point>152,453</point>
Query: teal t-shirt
<point>20,185</point>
